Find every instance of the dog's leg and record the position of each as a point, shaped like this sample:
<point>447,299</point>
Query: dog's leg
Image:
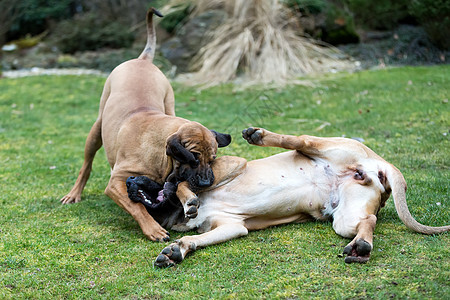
<point>169,102</point>
<point>188,199</point>
<point>358,250</point>
<point>117,191</point>
<point>266,138</point>
<point>176,252</point>
<point>93,143</point>
<point>339,150</point>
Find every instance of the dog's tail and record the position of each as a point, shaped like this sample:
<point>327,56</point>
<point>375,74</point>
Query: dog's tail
<point>398,186</point>
<point>149,51</point>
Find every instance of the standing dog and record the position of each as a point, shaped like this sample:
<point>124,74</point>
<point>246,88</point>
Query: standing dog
<point>323,178</point>
<point>141,135</point>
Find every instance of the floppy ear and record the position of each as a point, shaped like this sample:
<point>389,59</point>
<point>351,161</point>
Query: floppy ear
<point>222,139</point>
<point>176,150</point>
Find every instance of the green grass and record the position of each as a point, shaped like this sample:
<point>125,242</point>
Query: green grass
<point>93,249</point>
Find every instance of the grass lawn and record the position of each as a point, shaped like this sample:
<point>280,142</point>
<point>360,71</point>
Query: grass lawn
<point>93,249</point>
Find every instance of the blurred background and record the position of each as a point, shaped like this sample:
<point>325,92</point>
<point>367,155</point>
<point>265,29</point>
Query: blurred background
<point>226,38</point>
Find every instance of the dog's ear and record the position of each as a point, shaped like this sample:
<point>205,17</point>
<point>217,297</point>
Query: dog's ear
<point>222,139</point>
<point>176,150</point>
<point>387,188</point>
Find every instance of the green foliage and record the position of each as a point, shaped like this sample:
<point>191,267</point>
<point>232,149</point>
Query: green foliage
<point>381,14</point>
<point>35,14</point>
<point>339,27</point>
<point>434,15</point>
<point>89,32</point>
<point>172,20</point>
<point>94,250</point>
<point>307,6</point>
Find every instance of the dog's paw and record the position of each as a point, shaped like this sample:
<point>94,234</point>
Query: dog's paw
<point>155,233</point>
<point>169,256</point>
<point>253,135</point>
<point>70,198</point>
<point>191,208</point>
<point>358,251</point>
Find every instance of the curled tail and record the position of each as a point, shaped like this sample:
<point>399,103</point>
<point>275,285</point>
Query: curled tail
<point>398,185</point>
<point>149,50</point>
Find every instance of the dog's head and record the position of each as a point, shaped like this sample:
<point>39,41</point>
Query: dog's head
<point>194,148</point>
<point>160,201</point>
<point>363,191</point>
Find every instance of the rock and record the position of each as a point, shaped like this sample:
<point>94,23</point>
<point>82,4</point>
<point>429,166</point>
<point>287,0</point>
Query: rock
<point>39,71</point>
<point>177,53</point>
<point>9,47</point>
<point>189,39</point>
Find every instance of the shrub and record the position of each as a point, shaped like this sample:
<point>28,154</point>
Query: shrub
<point>434,16</point>
<point>380,14</point>
<point>34,16</point>
<point>307,6</point>
<point>131,12</point>
<point>173,19</point>
<point>88,32</point>
<point>339,27</point>
<point>9,12</point>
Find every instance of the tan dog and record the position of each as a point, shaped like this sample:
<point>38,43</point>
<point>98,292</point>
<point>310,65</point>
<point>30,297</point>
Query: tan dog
<point>141,135</point>
<point>323,178</point>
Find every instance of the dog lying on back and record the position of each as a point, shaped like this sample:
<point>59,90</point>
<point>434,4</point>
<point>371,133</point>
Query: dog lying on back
<point>323,178</point>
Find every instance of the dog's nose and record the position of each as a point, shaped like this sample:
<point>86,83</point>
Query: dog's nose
<point>130,180</point>
<point>204,182</point>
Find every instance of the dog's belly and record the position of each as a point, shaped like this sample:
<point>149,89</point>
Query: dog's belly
<point>280,189</point>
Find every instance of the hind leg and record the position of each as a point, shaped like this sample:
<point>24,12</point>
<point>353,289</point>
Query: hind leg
<point>93,143</point>
<point>265,138</point>
<point>337,150</point>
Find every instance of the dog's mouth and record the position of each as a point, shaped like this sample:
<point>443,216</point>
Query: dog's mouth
<point>144,197</point>
<point>161,202</point>
<point>151,194</point>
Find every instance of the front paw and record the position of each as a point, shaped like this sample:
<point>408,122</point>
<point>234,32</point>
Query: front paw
<point>169,256</point>
<point>153,230</point>
<point>191,208</point>
<point>157,235</point>
<point>358,251</point>
<point>253,135</point>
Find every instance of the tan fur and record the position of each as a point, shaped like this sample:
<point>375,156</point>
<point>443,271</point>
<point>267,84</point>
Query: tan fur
<point>136,118</point>
<point>323,178</point>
